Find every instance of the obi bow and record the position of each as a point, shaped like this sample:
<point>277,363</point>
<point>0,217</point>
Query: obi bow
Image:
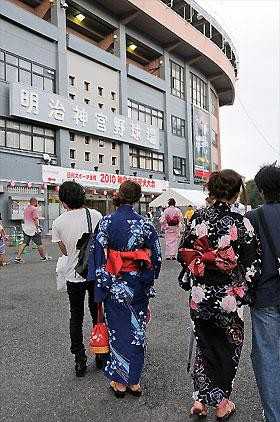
<point>202,256</point>
<point>125,261</point>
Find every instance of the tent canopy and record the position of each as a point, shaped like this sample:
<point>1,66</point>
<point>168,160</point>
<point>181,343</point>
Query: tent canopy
<point>183,198</point>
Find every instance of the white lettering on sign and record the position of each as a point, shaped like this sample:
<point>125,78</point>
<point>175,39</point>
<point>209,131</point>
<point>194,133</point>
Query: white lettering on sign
<point>101,122</point>
<point>135,131</point>
<point>80,116</point>
<point>57,110</point>
<point>29,100</point>
<point>151,135</point>
<point>55,174</point>
<point>119,127</point>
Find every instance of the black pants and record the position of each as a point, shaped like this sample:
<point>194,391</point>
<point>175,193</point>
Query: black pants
<point>76,293</point>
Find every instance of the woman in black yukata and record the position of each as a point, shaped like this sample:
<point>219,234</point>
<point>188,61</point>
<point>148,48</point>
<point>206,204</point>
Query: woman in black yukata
<point>220,259</point>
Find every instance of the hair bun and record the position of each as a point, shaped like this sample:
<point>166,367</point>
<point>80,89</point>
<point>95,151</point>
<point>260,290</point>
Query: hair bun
<point>224,184</point>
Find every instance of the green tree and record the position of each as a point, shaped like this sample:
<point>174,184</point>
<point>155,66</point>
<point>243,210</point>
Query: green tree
<point>253,196</point>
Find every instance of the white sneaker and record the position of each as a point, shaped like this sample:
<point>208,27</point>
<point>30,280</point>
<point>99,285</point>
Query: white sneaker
<point>19,260</point>
<point>46,258</point>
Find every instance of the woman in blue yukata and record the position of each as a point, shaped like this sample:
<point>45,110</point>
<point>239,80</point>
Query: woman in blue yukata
<point>221,263</point>
<point>127,260</point>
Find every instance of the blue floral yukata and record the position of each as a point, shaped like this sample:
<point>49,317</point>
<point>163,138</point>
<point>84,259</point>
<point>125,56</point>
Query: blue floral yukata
<point>220,268</point>
<point>125,296</point>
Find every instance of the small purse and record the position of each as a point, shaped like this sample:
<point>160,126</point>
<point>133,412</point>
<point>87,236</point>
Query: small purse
<point>99,339</point>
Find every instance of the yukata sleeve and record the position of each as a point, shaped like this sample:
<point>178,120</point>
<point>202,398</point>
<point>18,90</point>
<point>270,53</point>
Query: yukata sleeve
<point>102,278</point>
<point>185,277</point>
<point>152,242</point>
<point>249,254</point>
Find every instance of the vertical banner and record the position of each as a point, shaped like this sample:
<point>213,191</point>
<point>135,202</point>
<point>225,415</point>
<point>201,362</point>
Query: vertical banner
<point>201,143</point>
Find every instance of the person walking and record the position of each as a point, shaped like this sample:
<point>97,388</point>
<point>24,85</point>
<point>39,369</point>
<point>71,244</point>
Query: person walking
<point>219,255</point>
<point>171,222</point>
<point>67,229</point>
<point>265,312</point>
<point>125,261</point>
<point>31,231</point>
<point>3,257</point>
<point>189,213</point>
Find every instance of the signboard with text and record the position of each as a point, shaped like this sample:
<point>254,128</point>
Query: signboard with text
<point>201,143</point>
<point>45,107</point>
<point>97,179</point>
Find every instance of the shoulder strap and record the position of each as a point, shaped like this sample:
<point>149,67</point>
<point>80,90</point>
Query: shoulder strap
<point>262,222</point>
<point>89,223</point>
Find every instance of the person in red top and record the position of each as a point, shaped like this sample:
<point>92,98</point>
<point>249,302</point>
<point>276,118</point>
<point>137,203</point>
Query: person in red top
<point>31,231</point>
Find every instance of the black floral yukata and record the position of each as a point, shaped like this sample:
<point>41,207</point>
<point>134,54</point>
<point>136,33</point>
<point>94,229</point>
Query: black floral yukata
<point>220,259</point>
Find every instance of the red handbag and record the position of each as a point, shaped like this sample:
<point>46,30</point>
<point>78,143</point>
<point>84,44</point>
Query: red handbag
<point>99,339</point>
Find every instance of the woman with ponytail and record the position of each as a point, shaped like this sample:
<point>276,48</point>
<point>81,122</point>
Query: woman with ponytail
<point>220,260</point>
<point>125,262</point>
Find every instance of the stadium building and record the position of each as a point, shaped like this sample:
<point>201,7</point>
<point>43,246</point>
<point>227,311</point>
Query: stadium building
<point>103,90</point>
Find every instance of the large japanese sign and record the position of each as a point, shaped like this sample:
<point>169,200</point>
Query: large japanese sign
<point>201,143</point>
<point>53,109</point>
<point>97,179</point>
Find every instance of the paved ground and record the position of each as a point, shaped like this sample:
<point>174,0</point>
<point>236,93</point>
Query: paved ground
<point>37,378</point>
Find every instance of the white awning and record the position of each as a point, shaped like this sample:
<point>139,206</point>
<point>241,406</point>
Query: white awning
<point>183,198</point>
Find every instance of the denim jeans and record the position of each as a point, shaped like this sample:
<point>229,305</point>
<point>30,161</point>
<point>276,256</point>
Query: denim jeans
<point>76,293</point>
<point>266,358</point>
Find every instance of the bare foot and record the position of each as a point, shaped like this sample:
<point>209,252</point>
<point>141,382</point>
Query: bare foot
<point>225,409</point>
<point>199,409</point>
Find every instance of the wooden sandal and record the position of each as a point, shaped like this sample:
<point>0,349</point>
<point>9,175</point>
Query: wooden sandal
<point>118,393</point>
<point>135,393</point>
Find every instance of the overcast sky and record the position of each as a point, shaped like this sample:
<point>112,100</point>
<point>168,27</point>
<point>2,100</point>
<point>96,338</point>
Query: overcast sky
<point>254,28</point>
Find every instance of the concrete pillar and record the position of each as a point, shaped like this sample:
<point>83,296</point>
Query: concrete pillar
<point>120,50</point>
<point>210,127</point>
<point>189,125</point>
<point>58,18</point>
<point>168,159</point>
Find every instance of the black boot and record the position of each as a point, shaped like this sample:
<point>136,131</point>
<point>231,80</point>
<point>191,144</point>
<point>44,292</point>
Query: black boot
<point>99,361</point>
<point>81,364</point>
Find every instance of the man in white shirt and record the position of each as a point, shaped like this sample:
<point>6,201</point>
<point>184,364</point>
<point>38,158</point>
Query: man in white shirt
<point>67,229</point>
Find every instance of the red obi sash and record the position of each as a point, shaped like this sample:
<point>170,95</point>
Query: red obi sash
<point>126,261</point>
<point>202,256</point>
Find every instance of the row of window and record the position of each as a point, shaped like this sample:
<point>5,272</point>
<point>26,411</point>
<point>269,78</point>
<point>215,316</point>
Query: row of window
<point>89,138</point>
<point>87,101</point>
<point>146,160</point>
<point>144,113</point>
<point>152,161</point>
<point>14,68</point>
<point>87,157</point>
<point>198,87</point>
<point>26,137</point>
<point>87,87</point>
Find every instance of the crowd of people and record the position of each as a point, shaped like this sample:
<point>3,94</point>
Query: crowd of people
<point>228,261</point>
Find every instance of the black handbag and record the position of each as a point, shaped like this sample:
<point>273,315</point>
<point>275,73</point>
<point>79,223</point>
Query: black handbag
<point>83,246</point>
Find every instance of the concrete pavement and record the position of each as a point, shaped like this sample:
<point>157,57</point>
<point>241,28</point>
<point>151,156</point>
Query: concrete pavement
<point>37,372</point>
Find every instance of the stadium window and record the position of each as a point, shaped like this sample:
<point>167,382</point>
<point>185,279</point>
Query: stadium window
<point>178,126</point>
<point>177,80</point>
<point>146,114</point>
<point>146,160</point>
<point>199,95</point>
<point>179,166</point>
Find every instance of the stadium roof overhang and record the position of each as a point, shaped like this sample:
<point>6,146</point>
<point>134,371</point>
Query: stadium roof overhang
<point>173,33</point>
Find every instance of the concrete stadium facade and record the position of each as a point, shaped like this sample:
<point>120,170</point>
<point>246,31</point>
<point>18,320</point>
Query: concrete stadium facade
<point>99,91</point>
